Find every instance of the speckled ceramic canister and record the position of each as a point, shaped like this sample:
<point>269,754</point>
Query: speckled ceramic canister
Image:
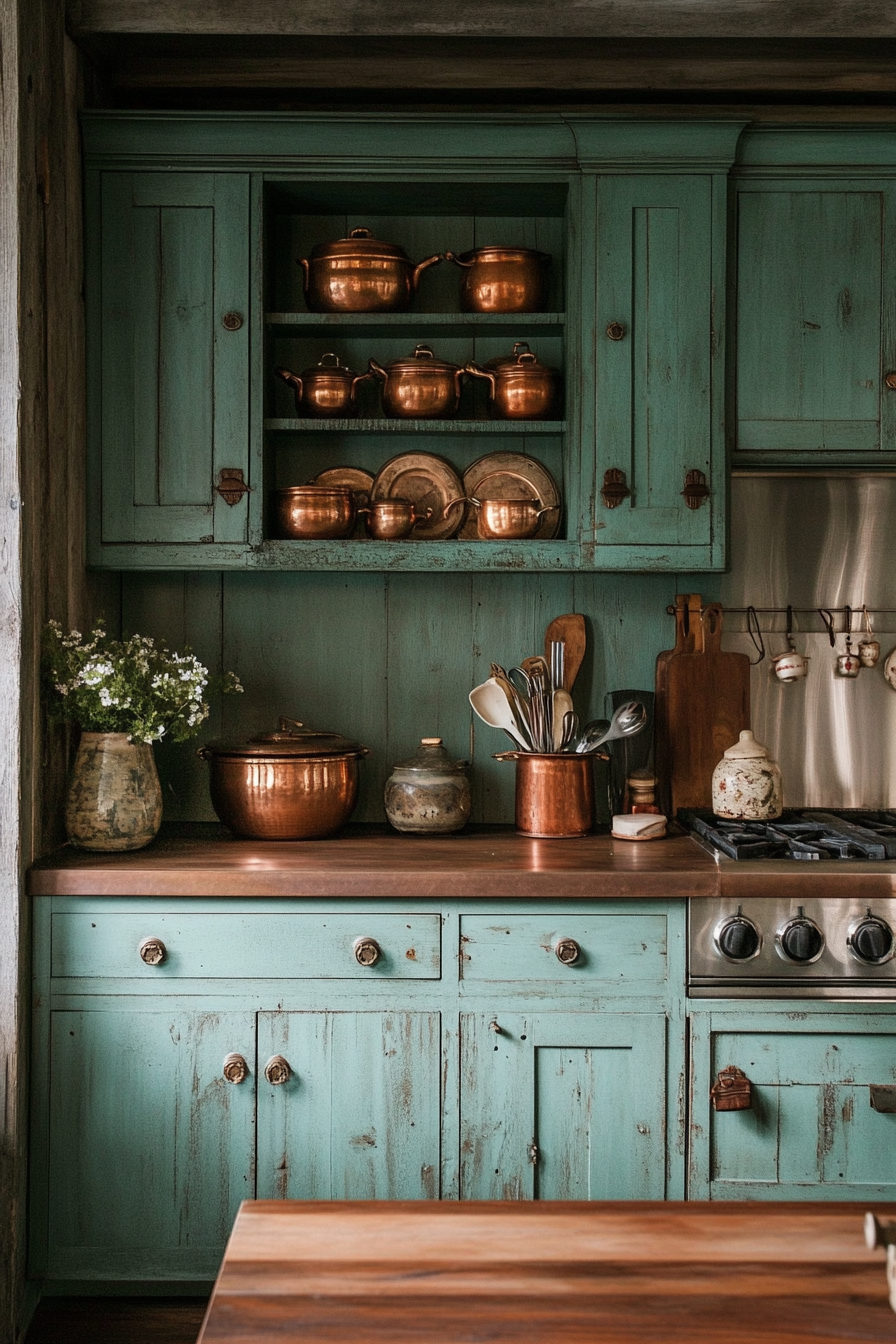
<point>114,798</point>
<point>430,793</point>
<point>746,783</point>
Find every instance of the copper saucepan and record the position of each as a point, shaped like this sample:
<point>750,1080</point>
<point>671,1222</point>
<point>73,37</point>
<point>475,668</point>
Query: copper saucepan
<point>293,784</point>
<point>502,279</point>
<point>521,388</point>
<point>315,512</point>
<point>326,389</point>
<point>504,519</point>
<point>419,387</point>
<point>391,519</point>
<point>361,274</point>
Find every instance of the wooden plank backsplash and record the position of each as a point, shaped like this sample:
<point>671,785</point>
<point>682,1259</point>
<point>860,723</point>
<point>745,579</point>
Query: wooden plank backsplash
<point>387,659</point>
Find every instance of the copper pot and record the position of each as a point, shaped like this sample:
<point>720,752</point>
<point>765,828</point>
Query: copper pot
<point>419,387</point>
<point>361,274</point>
<point>315,512</point>
<point>521,388</point>
<point>293,784</point>
<point>504,519</point>
<point>502,279</point>
<point>390,519</point>
<point>554,794</point>
<point>325,389</point>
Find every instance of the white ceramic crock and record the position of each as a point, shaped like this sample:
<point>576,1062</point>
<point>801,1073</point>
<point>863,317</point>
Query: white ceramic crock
<point>746,783</point>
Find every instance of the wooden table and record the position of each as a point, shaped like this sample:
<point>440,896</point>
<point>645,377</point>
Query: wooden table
<point>449,1273</point>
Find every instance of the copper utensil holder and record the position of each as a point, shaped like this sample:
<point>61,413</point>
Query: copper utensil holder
<point>554,794</point>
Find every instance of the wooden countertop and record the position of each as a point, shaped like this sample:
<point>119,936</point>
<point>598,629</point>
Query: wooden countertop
<point>378,862</point>
<point>529,1273</point>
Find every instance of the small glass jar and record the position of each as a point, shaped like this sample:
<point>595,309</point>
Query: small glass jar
<point>429,794</point>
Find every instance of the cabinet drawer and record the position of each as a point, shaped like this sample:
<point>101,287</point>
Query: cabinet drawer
<point>266,946</point>
<point>565,949</point>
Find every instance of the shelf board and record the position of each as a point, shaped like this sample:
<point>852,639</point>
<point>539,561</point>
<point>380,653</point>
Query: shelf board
<point>415,321</point>
<point>420,556</point>
<point>416,426</point>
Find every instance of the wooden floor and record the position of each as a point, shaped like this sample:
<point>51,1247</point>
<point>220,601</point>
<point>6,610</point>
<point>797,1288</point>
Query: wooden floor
<point>117,1320</point>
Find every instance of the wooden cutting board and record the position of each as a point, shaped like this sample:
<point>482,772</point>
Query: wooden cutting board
<point>702,705</point>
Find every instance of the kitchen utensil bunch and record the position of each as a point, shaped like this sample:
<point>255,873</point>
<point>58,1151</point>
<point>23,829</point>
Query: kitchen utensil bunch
<point>532,706</point>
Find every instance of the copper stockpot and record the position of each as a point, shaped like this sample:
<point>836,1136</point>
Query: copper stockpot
<point>315,512</point>
<point>502,279</point>
<point>521,388</point>
<point>391,519</point>
<point>293,784</point>
<point>419,387</point>
<point>325,389</point>
<point>361,274</point>
<point>554,794</point>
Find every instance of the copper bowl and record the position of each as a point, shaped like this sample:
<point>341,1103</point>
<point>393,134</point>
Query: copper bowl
<point>288,785</point>
<point>502,279</point>
<point>361,274</point>
<point>315,512</point>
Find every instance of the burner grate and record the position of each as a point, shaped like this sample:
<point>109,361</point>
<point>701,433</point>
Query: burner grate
<point>804,836</point>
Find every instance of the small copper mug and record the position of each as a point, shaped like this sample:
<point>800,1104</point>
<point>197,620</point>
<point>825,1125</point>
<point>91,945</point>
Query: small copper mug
<point>391,519</point>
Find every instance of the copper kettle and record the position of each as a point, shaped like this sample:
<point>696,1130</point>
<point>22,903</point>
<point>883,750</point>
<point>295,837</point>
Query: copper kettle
<point>326,389</point>
<point>361,274</point>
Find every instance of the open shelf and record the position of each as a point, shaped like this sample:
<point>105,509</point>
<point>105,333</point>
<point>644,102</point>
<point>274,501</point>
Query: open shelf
<point>498,323</point>
<point>416,426</point>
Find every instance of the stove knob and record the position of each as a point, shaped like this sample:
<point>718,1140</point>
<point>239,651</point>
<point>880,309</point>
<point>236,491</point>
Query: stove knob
<point>738,939</point>
<point>801,941</point>
<point>871,940</point>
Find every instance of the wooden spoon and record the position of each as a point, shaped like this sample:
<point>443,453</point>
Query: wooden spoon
<point>570,632</point>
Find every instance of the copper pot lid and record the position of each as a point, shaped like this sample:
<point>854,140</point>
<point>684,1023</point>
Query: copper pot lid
<point>423,360</point>
<point>291,739</point>
<point>361,244</point>
<point>523,360</point>
<point>335,368</point>
<point>504,254</point>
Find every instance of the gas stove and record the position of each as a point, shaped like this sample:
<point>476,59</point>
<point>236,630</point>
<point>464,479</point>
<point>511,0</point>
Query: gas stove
<point>805,836</point>
<point>807,906</point>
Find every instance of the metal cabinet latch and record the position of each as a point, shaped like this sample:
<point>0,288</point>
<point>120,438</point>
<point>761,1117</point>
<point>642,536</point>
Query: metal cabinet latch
<point>231,485</point>
<point>532,1152</point>
<point>732,1090</point>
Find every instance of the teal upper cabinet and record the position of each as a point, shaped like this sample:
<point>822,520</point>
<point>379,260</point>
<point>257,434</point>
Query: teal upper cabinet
<point>196,223</point>
<point>170,357</point>
<point>816,298</point>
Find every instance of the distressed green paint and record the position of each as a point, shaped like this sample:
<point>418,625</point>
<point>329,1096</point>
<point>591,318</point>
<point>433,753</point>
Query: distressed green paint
<point>811,1132</point>
<point>615,950</point>
<point>151,1151</point>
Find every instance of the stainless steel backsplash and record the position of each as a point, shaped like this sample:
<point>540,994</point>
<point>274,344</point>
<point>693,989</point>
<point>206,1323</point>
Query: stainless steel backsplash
<point>818,542</point>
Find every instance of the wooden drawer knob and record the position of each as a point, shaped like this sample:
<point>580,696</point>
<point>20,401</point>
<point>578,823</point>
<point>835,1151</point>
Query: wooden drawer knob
<point>367,951</point>
<point>235,1069</point>
<point>153,951</point>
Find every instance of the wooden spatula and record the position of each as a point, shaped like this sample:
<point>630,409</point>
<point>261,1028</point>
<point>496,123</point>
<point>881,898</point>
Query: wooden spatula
<point>570,632</point>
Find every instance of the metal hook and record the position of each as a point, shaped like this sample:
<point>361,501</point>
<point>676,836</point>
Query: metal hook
<point>828,620</point>
<point>869,628</point>
<point>847,619</point>
<point>755,634</point>
<point>790,643</point>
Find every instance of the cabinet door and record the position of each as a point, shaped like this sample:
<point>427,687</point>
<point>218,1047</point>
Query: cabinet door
<point>658,341</point>
<point>151,1149</point>
<point>811,1132</point>
<point>563,1106</point>
<point>174,378</point>
<point>816,321</point>
<point>359,1116</point>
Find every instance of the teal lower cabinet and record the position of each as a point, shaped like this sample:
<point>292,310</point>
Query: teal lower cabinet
<point>150,1149</point>
<point>188,1054</point>
<point>812,1130</point>
<point>355,1112</point>
<point>563,1105</point>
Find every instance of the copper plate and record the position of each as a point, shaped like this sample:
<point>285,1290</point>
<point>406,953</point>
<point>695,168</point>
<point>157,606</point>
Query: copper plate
<point>429,482</point>
<point>512,476</point>
<point>358,481</point>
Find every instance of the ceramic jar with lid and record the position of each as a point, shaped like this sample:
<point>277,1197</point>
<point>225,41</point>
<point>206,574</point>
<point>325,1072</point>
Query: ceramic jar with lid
<point>429,794</point>
<point>746,783</point>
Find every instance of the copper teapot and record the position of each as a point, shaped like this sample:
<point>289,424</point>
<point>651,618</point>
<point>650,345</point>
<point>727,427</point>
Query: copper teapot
<point>326,389</point>
<point>361,274</point>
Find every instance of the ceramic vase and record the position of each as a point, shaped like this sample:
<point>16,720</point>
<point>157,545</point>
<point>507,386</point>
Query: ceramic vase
<point>114,797</point>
